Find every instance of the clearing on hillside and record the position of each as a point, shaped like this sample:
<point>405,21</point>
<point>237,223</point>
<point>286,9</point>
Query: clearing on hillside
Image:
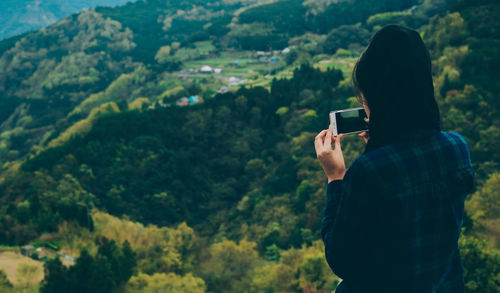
<point>9,261</point>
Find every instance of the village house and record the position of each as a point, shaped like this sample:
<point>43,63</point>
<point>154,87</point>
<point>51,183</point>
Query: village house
<point>223,90</point>
<point>206,69</point>
<point>184,101</point>
<point>27,250</point>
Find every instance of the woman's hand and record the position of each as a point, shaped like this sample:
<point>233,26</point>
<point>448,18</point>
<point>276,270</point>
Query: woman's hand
<point>332,160</point>
<point>365,134</point>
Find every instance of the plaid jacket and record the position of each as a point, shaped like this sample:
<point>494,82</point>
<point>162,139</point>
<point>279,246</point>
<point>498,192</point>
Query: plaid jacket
<point>392,223</point>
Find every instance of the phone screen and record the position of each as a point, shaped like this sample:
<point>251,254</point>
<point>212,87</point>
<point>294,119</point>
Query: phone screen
<point>351,121</point>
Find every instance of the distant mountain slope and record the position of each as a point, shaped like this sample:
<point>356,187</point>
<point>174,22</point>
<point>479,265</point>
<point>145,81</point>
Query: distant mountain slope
<point>19,16</point>
<point>54,77</point>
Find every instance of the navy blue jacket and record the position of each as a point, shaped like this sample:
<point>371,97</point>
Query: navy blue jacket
<point>392,224</point>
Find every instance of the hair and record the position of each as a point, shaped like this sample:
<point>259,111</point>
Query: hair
<point>394,74</point>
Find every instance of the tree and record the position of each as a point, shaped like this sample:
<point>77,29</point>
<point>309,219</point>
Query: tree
<point>312,273</point>
<point>163,55</point>
<point>444,31</point>
<point>105,272</point>
<point>56,277</point>
<point>405,18</point>
<point>5,285</point>
<point>346,37</point>
<point>161,282</point>
<point>227,264</point>
<point>481,266</point>
<point>272,253</point>
<point>484,209</point>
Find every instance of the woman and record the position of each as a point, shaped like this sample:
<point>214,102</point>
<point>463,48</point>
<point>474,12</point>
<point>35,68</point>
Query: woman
<point>392,221</point>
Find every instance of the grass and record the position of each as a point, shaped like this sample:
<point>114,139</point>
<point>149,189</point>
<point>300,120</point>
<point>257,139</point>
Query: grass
<point>205,46</point>
<point>200,48</point>
<point>248,66</point>
<point>345,64</point>
<point>7,247</point>
<point>9,261</point>
<point>225,61</point>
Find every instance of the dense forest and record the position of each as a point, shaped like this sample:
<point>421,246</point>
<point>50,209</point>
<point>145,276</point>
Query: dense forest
<point>98,161</point>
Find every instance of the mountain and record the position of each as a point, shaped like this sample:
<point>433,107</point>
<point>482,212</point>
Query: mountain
<point>19,16</point>
<point>103,157</point>
<point>52,78</point>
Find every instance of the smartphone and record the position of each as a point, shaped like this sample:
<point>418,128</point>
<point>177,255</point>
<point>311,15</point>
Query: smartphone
<point>349,121</point>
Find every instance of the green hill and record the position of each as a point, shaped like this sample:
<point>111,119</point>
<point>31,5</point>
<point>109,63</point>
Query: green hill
<point>19,16</point>
<point>123,53</point>
<point>225,195</point>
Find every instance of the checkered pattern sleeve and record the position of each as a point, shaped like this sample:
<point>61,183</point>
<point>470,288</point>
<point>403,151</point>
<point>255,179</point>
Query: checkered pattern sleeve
<point>347,224</point>
<point>397,215</point>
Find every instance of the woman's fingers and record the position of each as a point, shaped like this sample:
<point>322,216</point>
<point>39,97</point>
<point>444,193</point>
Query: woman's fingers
<point>328,137</point>
<point>338,138</point>
<point>322,133</point>
<point>365,136</point>
<point>321,136</point>
<point>325,138</point>
<point>318,140</point>
<point>331,160</point>
<point>317,143</point>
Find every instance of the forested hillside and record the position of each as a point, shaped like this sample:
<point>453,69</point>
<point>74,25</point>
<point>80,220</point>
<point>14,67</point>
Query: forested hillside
<point>101,160</point>
<point>20,16</point>
<point>52,78</point>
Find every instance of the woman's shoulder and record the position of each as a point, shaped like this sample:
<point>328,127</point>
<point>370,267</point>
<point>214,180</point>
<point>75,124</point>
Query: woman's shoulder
<point>454,137</point>
<point>460,144</point>
<point>365,162</point>
<point>447,147</point>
